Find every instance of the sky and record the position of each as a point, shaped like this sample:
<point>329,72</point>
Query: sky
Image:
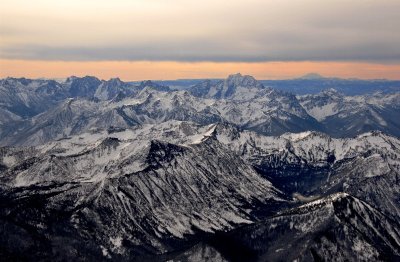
<point>169,39</point>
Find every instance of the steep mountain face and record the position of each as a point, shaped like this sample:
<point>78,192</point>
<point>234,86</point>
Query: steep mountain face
<point>152,106</point>
<point>112,88</point>
<point>77,116</point>
<point>92,88</point>
<point>242,100</point>
<point>301,163</point>
<point>349,116</point>
<point>124,196</point>
<point>247,103</point>
<point>27,97</point>
<point>130,193</point>
<point>82,87</point>
<point>338,225</point>
<point>311,163</point>
<point>87,109</point>
<point>70,117</point>
<point>21,98</point>
<point>235,87</point>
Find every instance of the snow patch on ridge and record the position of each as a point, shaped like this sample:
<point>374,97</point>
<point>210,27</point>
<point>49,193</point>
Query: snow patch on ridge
<point>296,136</point>
<point>197,139</point>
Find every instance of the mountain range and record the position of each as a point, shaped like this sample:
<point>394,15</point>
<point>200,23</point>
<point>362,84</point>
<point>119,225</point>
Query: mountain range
<point>137,192</point>
<point>227,170</point>
<point>311,83</point>
<point>37,111</point>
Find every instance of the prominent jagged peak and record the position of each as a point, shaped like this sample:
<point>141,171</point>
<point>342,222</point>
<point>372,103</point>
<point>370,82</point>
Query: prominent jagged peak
<point>34,87</point>
<point>13,80</point>
<point>91,82</point>
<point>84,79</point>
<point>70,79</point>
<point>83,86</point>
<point>242,80</point>
<point>238,86</point>
<point>114,82</point>
<point>111,89</point>
<point>34,84</point>
<point>228,88</point>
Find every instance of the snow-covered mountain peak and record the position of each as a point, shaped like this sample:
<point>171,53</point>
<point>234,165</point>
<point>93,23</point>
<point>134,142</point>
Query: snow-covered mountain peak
<point>242,80</point>
<point>70,79</point>
<point>15,81</point>
<point>115,80</point>
<point>234,87</point>
<point>113,83</point>
<point>84,79</point>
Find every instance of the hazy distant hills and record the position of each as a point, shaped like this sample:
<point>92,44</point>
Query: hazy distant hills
<point>350,87</point>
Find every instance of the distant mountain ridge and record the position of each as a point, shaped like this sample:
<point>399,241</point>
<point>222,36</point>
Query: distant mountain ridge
<point>36,111</point>
<point>314,84</point>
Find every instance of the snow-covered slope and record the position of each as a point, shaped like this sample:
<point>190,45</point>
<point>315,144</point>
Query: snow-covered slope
<point>305,163</point>
<point>235,87</point>
<point>267,111</point>
<point>125,194</point>
<point>311,163</point>
<point>30,109</point>
<point>338,226</point>
<point>113,170</point>
<point>153,188</point>
<point>26,98</point>
<point>352,115</point>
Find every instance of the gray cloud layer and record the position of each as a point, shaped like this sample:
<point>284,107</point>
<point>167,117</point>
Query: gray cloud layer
<point>246,31</point>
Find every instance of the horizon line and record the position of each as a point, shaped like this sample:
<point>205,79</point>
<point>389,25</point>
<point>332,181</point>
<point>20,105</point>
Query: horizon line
<point>145,70</point>
<point>302,77</point>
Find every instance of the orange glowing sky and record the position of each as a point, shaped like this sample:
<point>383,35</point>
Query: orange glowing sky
<point>142,70</point>
<point>159,39</point>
